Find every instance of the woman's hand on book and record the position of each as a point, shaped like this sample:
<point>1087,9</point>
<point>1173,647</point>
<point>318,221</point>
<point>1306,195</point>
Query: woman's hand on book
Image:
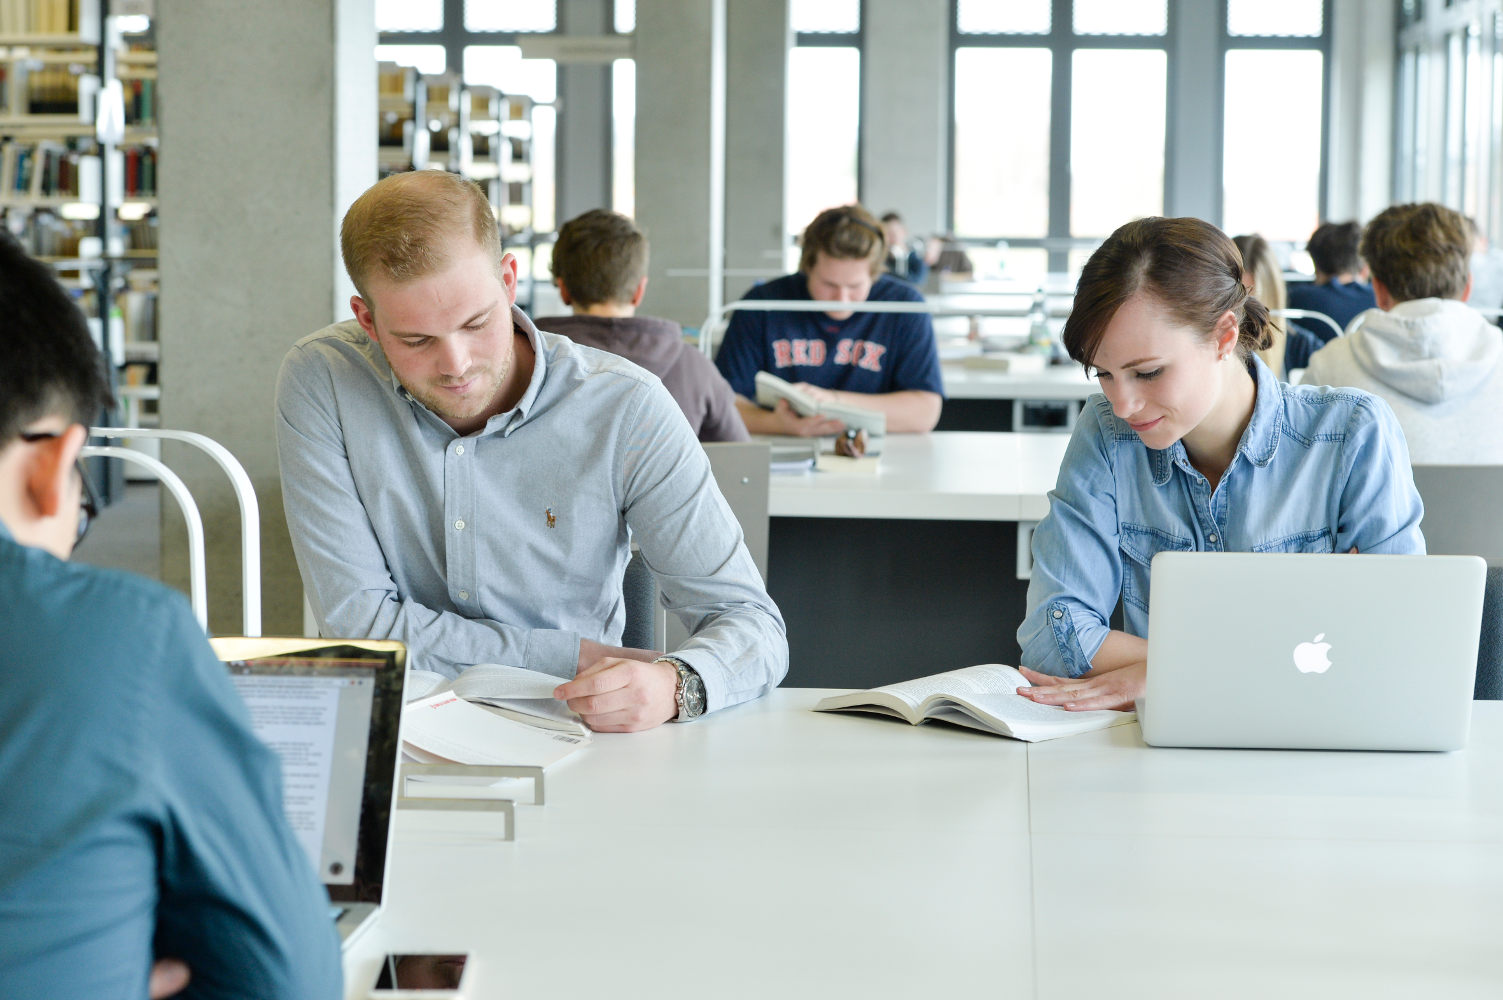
<point>1114,689</point>
<point>616,695</point>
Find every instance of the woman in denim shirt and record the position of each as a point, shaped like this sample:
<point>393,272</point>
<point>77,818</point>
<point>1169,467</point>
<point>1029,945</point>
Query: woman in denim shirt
<point>1193,445</point>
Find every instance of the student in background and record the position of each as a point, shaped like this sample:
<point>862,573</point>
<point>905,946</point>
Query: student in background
<point>600,267</point>
<point>1292,343</point>
<point>1487,273</point>
<point>460,481</point>
<point>1432,357</point>
<point>1340,289</point>
<point>879,361</point>
<point>1192,445</point>
<point>141,815</point>
<point>904,260</point>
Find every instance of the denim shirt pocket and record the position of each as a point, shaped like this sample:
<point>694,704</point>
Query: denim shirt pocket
<point>1317,540</point>
<point>1140,543</point>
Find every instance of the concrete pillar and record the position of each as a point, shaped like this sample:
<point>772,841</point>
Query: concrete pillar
<point>1359,174</point>
<point>267,137</point>
<point>757,42</point>
<point>905,111</point>
<point>1192,185</point>
<point>584,119</point>
<point>680,158</point>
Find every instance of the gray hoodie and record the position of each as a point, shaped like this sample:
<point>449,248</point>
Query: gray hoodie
<point>1436,362</point>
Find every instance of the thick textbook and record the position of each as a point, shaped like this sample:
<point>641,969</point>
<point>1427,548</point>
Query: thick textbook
<point>982,697</point>
<point>770,389</point>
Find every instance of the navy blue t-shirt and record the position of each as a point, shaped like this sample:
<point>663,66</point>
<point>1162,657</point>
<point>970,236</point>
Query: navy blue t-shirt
<point>868,352</point>
<point>1339,301</point>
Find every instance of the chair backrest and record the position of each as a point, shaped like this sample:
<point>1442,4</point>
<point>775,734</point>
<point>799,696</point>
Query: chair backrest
<point>639,592</point>
<point>741,470</point>
<point>1461,510</point>
<point>1462,518</point>
<point>1309,315</point>
<point>245,496</point>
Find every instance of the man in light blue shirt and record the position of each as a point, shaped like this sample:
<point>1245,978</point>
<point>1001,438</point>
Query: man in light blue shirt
<point>455,479</point>
<point>141,817</point>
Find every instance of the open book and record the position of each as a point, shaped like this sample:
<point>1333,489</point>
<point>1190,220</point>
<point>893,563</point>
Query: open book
<point>770,389</point>
<point>982,697</point>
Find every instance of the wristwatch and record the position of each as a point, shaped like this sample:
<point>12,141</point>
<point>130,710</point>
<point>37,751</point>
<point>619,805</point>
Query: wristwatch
<point>690,692</point>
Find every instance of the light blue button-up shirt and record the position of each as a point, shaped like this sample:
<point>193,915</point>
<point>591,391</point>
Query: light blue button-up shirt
<point>508,545</point>
<point>1317,470</point>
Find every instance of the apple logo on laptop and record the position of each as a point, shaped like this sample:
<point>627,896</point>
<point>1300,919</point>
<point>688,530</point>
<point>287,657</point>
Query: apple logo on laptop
<point>1310,657</point>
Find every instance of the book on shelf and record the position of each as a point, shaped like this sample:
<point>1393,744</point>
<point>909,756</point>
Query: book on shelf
<point>770,389</point>
<point>982,697</point>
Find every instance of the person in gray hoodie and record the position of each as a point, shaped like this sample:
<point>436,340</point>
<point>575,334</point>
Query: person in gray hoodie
<point>600,268</point>
<point>1431,357</point>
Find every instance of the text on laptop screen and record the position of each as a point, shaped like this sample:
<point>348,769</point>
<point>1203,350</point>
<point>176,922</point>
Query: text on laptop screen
<point>319,725</point>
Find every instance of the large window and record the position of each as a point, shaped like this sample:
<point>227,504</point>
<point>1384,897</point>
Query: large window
<point>1064,115</point>
<point>1449,105</point>
<point>823,135</point>
<point>1272,141</point>
<point>1058,126</point>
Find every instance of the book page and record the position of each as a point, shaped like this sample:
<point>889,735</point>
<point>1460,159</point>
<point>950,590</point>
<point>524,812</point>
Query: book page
<point>985,678</point>
<point>449,728</point>
<point>1026,720</point>
<point>521,694</point>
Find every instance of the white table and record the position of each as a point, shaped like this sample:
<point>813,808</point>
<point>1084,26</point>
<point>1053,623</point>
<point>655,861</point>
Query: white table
<point>769,851</point>
<point>942,476</point>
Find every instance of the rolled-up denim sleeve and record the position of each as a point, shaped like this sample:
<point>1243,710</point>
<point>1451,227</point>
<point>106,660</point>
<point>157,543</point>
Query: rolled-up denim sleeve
<point>1380,507</point>
<point>1077,568</point>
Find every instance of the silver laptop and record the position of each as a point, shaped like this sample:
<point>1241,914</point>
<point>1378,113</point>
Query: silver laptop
<point>333,710</point>
<point>1327,652</point>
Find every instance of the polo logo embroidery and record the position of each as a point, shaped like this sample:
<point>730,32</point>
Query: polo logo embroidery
<point>552,521</point>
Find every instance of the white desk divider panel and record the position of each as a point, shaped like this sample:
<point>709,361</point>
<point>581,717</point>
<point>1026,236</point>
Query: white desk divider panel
<point>245,496</point>
<point>717,320</point>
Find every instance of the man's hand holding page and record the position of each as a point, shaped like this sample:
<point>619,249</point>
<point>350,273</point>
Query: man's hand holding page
<point>619,695</point>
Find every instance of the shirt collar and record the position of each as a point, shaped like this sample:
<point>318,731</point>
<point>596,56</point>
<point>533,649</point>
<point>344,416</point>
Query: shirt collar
<point>1259,441</point>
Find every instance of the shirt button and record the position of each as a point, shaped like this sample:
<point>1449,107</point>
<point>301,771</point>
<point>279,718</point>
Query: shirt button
<point>464,595</point>
<point>1211,539</point>
<point>459,449</point>
<point>458,525</point>
<point>1058,613</point>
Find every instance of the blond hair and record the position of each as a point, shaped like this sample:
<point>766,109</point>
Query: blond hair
<point>404,227</point>
<point>1268,288</point>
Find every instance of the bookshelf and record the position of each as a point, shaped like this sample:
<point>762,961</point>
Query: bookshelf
<point>401,143</point>
<point>78,164</point>
<point>514,168</point>
<point>447,118</point>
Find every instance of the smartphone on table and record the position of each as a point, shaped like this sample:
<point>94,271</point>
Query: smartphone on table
<point>420,976</point>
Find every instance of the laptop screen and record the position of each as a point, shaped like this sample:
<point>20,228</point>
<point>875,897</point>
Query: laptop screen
<point>331,711</point>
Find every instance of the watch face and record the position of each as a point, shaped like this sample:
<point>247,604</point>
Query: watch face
<point>694,696</point>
